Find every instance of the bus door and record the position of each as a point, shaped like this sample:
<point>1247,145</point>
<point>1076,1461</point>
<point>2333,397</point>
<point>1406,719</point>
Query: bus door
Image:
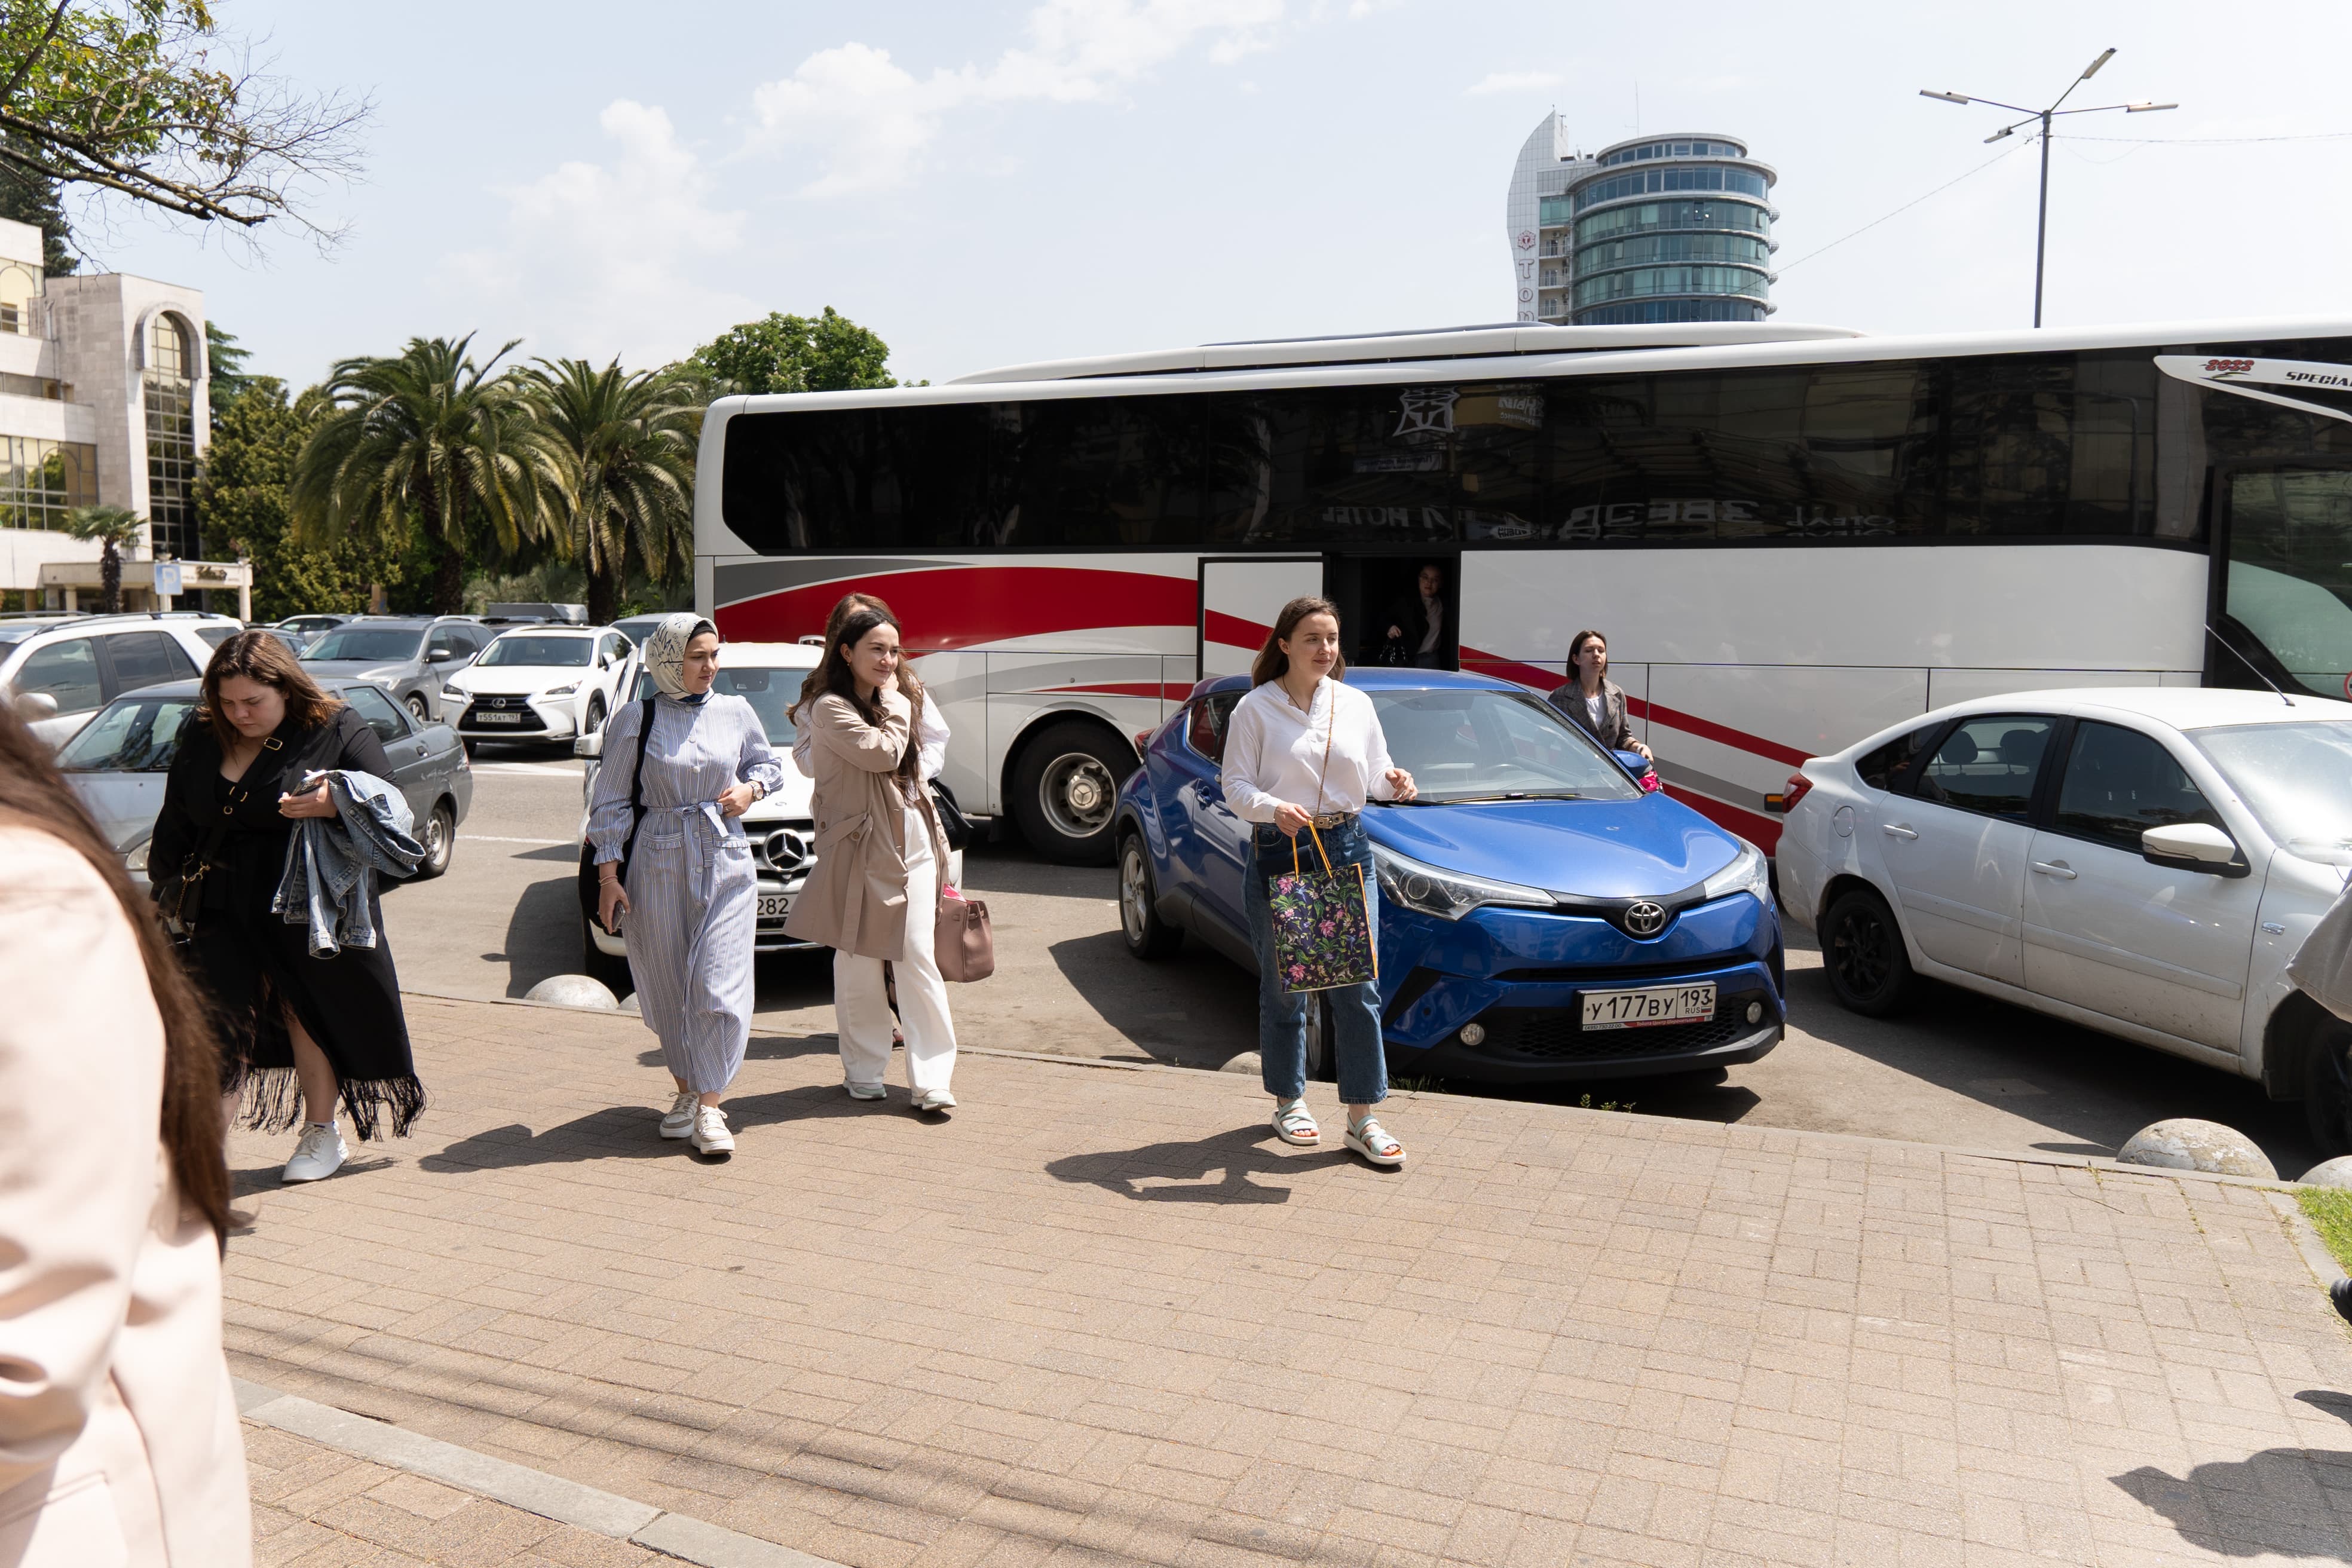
<point>2283,578</point>
<point>1240,597</point>
<point>1384,592</point>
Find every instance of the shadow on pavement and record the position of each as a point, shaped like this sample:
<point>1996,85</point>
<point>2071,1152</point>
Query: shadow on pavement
<point>2280,1500</point>
<point>764,1048</point>
<point>543,933</point>
<point>1237,1155</point>
<point>1009,867</point>
<point>1194,1009</point>
<point>617,1131</point>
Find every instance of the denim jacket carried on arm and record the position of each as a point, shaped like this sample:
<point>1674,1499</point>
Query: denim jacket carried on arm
<point>329,861</point>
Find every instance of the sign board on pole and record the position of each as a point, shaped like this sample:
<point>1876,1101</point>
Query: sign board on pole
<point>167,579</point>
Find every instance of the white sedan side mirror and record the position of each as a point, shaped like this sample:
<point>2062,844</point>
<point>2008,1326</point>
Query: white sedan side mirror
<point>589,745</point>
<point>35,706</point>
<point>2192,847</point>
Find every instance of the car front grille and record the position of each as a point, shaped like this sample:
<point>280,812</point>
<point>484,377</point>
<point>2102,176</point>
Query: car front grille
<point>527,716</point>
<point>1556,1035</point>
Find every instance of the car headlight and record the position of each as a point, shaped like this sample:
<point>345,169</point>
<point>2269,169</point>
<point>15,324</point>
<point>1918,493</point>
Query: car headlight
<point>1746,874</point>
<point>561,691</point>
<point>135,858</point>
<point>1449,895</point>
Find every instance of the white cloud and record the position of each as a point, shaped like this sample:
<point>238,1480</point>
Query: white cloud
<point>870,119</point>
<point>1512,81</point>
<point>599,258</point>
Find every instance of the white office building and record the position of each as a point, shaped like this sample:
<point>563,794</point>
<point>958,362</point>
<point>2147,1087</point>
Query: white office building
<point>104,400</point>
<point>1665,228</point>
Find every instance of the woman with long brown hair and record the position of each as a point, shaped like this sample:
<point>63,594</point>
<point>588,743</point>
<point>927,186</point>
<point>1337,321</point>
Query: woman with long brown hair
<point>1302,751</point>
<point>930,725</point>
<point>118,1439</point>
<point>331,1027</point>
<point>880,854</point>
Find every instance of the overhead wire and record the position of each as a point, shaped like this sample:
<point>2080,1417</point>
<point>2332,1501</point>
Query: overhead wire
<point>1905,208</point>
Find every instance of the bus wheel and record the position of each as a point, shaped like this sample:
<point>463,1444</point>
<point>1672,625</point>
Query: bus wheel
<point>1064,790</point>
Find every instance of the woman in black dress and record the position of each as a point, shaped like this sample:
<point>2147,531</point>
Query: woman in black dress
<point>331,1026</point>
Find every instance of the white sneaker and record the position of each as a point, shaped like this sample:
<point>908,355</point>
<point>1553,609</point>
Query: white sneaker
<point>679,1122</point>
<point>710,1135</point>
<point>320,1154</point>
<point>935,1100</point>
<point>864,1091</point>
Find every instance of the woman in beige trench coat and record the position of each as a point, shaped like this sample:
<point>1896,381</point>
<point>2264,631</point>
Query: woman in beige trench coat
<point>874,895</point>
<point>119,1442</point>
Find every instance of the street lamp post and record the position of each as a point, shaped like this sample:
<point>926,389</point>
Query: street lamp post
<point>2041,216</point>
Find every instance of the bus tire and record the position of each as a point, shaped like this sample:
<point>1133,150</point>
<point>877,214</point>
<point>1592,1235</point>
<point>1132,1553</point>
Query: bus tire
<point>1065,789</point>
<point>1862,949</point>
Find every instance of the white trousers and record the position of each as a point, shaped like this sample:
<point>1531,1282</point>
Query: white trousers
<point>862,1008</point>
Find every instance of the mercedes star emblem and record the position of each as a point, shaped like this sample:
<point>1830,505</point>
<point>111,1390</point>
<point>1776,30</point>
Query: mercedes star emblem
<point>1646,918</point>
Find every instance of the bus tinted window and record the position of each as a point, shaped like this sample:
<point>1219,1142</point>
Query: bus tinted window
<point>1332,465</point>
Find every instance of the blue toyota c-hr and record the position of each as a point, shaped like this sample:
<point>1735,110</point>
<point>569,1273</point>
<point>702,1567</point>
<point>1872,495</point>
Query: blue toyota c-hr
<point>1542,920</point>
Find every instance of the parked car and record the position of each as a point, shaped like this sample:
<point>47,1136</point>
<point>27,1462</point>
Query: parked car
<point>538,683</point>
<point>64,670</point>
<point>2145,861</point>
<point>411,657</point>
<point>638,628</point>
<point>1541,918</point>
<point>306,626</point>
<point>117,764</point>
<point>781,826</point>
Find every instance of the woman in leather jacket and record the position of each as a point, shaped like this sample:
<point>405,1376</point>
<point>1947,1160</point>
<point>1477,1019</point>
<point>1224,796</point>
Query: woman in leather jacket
<point>331,1027</point>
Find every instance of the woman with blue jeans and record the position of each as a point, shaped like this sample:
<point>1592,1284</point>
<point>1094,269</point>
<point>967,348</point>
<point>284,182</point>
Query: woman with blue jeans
<point>1303,752</point>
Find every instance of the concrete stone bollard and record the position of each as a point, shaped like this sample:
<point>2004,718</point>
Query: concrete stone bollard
<point>627,1003</point>
<point>2185,1143</point>
<point>2335,1172</point>
<point>574,991</point>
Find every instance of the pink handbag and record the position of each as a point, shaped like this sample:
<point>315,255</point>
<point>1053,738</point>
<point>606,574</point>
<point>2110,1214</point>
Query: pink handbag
<point>962,941</point>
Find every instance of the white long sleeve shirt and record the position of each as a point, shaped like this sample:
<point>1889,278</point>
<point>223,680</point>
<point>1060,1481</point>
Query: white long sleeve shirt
<point>1276,755</point>
<point>931,744</point>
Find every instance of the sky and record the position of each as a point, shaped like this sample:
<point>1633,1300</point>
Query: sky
<point>987,183</point>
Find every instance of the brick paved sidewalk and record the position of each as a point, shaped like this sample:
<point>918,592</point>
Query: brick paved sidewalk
<point>1101,1315</point>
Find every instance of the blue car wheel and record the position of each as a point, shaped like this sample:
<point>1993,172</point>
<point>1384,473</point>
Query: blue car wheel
<point>1147,936</point>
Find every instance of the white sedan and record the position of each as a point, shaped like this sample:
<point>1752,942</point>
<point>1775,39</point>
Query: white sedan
<point>538,683</point>
<point>2145,861</point>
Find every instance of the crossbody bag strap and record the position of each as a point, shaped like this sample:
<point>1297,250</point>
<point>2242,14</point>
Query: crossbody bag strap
<point>1330,722</point>
<point>637,782</point>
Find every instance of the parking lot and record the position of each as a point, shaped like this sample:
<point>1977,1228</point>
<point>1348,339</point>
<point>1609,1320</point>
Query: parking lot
<point>1958,1069</point>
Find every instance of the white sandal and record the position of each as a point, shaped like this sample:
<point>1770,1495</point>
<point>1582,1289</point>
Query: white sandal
<point>1370,1139</point>
<point>1295,1125</point>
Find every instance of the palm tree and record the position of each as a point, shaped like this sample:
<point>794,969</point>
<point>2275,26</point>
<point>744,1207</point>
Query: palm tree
<point>629,443</point>
<point>428,437</point>
<point>112,527</point>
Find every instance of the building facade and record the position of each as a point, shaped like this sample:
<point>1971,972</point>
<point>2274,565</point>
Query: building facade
<point>104,400</point>
<point>1657,228</point>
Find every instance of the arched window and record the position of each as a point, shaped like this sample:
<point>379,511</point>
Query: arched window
<point>169,386</point>
<point>18,288</point>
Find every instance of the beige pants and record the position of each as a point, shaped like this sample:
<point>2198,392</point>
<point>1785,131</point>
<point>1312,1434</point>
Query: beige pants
<point>862,1009</point>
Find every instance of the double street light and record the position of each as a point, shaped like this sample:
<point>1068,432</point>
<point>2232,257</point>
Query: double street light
<point>2042,222</point>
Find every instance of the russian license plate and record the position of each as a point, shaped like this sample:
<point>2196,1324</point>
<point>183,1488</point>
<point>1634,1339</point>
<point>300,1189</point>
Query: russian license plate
<point>1644,1009</point>
<point>497,718</point>
<point>776,906</point>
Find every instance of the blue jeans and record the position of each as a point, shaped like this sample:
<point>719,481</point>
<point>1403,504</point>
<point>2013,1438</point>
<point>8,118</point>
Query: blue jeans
<point>1355,1010</point>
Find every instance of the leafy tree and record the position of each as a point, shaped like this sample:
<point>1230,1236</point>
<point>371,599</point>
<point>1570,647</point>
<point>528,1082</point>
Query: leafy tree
<point>794,354</point>
<point>629,443</point>
<point>28,197</point>
<point>112,527</point>
<point>241,501</point>
<point>131,97</point>
<point>428,439</point>
<point>224,367</point>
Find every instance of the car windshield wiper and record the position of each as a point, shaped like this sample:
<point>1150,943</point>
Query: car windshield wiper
<point>1504,799</point>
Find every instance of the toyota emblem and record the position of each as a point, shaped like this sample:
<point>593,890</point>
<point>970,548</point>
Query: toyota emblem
<point>1646,918</point>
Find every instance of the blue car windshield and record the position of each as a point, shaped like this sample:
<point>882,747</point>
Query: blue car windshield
<point>1487,745</point>
<point>771,693</point>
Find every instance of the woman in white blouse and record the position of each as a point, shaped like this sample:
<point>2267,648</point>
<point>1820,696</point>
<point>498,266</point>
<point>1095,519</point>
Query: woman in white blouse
<point>1303,749</point>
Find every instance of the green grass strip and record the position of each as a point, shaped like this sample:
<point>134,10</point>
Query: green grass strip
<point>2330,1213</point>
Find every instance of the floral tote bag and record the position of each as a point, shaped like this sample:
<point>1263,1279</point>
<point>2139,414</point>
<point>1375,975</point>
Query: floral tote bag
<point>1322,929</point>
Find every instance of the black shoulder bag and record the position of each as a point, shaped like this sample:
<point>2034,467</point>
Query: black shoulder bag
<point>180,891</point>
<point>588,877</point>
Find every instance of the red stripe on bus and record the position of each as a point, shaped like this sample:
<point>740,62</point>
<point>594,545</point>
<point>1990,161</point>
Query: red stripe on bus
<point>1173,690</point>
<point>961,606</point>
<point>1233,631</point>
<point>1760,831</point>
<point>1657,714</point>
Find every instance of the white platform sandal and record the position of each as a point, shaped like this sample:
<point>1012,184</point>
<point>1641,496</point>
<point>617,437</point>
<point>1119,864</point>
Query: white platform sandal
<point>1370,1139</point>
<point>1295,1125</point>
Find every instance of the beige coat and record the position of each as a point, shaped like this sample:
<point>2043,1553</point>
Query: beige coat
<point>118,1441</point>
<point>855,898</point>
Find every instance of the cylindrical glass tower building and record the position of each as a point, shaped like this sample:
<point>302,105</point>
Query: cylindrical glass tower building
<point>1660,229</point>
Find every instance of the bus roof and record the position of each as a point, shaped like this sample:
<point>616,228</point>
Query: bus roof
<point>1435,342</point>
<point>1482,354</point>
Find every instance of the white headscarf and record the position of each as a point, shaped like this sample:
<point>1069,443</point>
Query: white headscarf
<point>665,653</point>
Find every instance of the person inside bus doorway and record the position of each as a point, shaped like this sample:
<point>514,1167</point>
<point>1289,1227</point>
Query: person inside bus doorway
<point>1591,699</point>
<point>1418,622</point>
<point>1301,751</point>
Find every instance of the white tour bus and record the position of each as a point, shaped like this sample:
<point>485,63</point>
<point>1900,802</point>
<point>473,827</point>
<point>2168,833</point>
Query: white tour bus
<point>1793,536</point>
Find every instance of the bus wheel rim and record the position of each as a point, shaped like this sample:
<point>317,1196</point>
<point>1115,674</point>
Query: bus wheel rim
<point>1076,794</point>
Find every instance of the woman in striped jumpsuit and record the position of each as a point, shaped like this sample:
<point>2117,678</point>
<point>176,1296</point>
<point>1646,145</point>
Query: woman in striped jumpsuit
<point>691,898</point>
